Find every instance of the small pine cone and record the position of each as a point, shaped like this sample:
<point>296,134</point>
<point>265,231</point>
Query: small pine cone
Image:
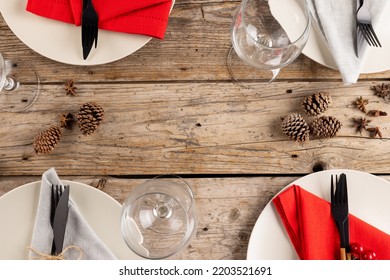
<point>325,127</point>
<point>316,103</point>
<point>89,117</point>
<point>47,140</point>
<point>296,128</point>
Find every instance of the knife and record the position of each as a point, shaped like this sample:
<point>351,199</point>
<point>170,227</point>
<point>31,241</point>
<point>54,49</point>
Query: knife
<point>343,185</point>
<point>60,219</point>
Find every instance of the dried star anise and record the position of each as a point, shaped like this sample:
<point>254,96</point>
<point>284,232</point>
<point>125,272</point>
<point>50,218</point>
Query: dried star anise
<point>360,123</point>
<point>374,131</point>
<point>70,89</point>
<point>361,103</point>
<point>382,90</point>
<point>66,120</point>
<point>376,113</point>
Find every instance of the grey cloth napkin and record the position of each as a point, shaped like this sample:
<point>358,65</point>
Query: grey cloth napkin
<point>337,19</point>
<point>78,233</point>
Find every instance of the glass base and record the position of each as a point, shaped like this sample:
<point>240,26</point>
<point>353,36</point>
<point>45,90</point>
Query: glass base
<point>245,74</point>
<point>19,85</point>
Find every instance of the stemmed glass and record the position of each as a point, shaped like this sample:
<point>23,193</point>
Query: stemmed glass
<point>267,35</point>
<point>19,85</point>
<point>159,217</point>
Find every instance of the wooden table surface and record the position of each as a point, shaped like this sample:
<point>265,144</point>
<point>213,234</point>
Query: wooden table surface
<point>172,107</point>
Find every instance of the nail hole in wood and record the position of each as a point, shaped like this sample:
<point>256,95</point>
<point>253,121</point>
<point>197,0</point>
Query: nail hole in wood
<point>319,166</point>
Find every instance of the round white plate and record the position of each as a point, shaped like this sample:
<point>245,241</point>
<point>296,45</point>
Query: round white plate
<point>377,59</point>
<point>17,218</point>
<point>368,199</point>
<point>62,41</point>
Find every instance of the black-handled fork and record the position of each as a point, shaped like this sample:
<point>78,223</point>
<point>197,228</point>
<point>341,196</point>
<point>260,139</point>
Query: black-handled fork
<point>340,211</point>
<point>56,192</point>
<point>89,27</point>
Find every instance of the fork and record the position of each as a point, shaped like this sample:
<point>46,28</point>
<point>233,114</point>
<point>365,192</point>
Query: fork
<point>339,209</point>
<point>363,19</point>
<point>89,27</point>
<point>56,192</point>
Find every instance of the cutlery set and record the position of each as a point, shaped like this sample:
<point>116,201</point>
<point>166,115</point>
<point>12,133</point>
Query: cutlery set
<point>340,211</point>
<point>364,30</point>
<point>58,216</point>
<point>89,27</point>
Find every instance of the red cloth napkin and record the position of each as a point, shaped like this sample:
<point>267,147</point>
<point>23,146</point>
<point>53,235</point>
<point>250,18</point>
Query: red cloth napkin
<point>309,223</point>
<point>146,17</point>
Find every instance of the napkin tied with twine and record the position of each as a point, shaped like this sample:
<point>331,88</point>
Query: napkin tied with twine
<point>80,241</point>
<point>308,221</point>
<point>146,17</point>
<point>338,22</point>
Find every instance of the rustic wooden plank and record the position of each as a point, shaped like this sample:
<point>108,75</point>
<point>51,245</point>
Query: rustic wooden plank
<point>193,128</point>
<point>195,48</point>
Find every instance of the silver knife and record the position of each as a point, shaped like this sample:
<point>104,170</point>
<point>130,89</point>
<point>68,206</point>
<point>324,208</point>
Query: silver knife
<point>60,219</point>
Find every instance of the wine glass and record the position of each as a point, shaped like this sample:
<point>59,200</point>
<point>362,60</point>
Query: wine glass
<point>267,35</point>
<point>19,85</point>
<point>159,217</point>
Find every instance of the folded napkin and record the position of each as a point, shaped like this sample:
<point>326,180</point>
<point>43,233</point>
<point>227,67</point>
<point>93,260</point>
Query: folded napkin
<point>146,17</point>
<point>80,239</point>
<point>310,226</point>
<point>338,22</point>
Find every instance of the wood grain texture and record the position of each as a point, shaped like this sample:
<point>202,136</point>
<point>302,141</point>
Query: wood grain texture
<point>193,128</point>
<point>172,107</point>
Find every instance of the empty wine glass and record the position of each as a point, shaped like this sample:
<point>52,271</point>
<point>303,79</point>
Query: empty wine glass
<point>19,85</point>
<point>159,217</point>
<point>267,35</point>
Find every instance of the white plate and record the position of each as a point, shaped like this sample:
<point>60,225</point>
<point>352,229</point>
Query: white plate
<point>62,41</point>
<point>377,59</point>
<point>17,218</point>
<point>368,199</point>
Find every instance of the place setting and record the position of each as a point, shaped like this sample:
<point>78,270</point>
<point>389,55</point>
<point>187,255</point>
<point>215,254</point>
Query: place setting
<point>56,30</point>
<point>67,220</point>
<point>304,220</point>
<point>269,35</point>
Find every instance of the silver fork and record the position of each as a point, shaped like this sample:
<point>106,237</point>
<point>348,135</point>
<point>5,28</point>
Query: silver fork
<point>363,19</point>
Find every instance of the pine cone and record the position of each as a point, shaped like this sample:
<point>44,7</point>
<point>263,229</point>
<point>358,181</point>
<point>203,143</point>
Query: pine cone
<point>47,140</point>
<point>316,103</point>
<point>296,128</point>
<point>325,127</point>
<point>89,117</point>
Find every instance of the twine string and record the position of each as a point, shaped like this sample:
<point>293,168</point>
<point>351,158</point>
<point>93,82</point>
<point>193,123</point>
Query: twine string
<point>60,256</point>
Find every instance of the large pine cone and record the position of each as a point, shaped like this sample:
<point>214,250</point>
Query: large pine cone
<point>89,117</point>
<point>316,103</point>
<point>325,127</point>
<point>296,128</point>
<point>47,140</point>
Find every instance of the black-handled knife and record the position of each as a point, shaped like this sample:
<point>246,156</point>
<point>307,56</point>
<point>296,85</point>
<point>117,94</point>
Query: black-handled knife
<point>60,219</point>
<point>343,184</point>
